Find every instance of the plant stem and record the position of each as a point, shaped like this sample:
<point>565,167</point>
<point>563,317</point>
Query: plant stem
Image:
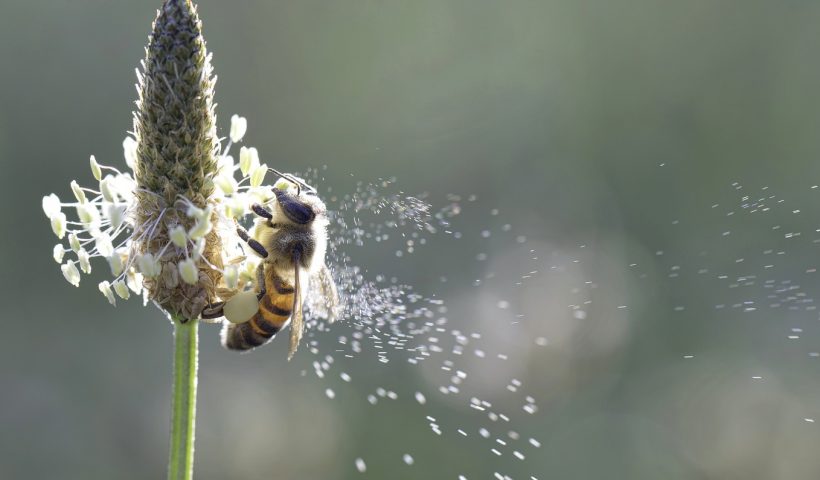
<point>183,406</point>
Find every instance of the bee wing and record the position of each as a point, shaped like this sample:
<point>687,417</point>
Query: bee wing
<point>296,321</point>
<point>328,302</point>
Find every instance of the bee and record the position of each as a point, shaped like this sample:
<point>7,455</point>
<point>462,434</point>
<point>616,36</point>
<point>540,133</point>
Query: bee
<point>291,239</point>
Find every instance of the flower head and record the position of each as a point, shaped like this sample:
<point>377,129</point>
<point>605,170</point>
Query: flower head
<point>178,251</point>
<point>166,223</point>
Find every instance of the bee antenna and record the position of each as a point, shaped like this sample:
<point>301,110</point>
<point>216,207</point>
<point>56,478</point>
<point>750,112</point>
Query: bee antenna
<point>292,179</point>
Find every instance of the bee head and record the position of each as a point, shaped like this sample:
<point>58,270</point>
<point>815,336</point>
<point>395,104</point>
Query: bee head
<point>298,209</point>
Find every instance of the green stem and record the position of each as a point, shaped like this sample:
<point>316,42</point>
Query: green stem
<point>183,406</point>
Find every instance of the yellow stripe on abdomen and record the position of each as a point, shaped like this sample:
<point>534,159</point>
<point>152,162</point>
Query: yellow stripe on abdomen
<point>275,309</point>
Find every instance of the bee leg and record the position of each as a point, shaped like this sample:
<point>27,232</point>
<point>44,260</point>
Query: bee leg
<point>213,310</point>
<point>256,246</point>
<point>261,211</point>
<point>260,281</point>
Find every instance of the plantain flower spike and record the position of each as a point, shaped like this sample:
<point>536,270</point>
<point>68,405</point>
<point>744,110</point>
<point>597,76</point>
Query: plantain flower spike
<point>164,229</point>
<point>176,156</point>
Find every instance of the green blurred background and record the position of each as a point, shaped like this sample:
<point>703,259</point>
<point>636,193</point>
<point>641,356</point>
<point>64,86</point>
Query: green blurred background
<point>612,125</point>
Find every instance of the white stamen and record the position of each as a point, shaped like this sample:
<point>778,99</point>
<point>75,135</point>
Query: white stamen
<point>51,205</point>
<point>239,125</point>
<point>71,274</point>
<point>199,247</point>
<point>107,188</point>
<point>225,165</point>
<point>248,160</point>
<point>115,262</point>
<point>95,168</point>
<point>78,192</point>
<point>121,289</point>
<point>58,223</point>
<point>123,185</point>
<point>226,183</point>
<point>88,213</point>
<point>85,263</point>
<point>178,236</point>
<point>188,271</point>
<point>104,245</point>
<point>105,288</point>
<point>193,211</point>
<point>59,251</point>
<point>74,242</point>
<point>258,175</point>
<point>201,228</point>
<point>148,266</point>
<point>115,214</point>
<point>129,148</point>
<point>134,281</point>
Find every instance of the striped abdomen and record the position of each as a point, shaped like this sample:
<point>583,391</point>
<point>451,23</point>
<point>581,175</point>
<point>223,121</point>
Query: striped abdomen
<point>274,311</point>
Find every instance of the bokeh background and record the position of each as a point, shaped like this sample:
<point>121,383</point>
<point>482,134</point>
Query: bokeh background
<point>600,130</point>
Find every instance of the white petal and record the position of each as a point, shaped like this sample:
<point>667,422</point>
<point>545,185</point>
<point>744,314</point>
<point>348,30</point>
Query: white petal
<point>79,194</point>
<point>51,205</point>
<point>58,223</point>
<point>71,273</point>
<point>178,236</point>
<point>239,125</point>
<point>188,271</point>
<point>129,150</point>
<point>105,288</point>
<point>59,251</point>
<point>95,168</point>
<point>85,261</point>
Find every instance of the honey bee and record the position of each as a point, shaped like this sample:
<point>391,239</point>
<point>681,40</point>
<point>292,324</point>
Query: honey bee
<point>291,239</point>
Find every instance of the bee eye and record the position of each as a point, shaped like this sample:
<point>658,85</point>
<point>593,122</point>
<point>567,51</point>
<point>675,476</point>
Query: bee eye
<point>296,211</point>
